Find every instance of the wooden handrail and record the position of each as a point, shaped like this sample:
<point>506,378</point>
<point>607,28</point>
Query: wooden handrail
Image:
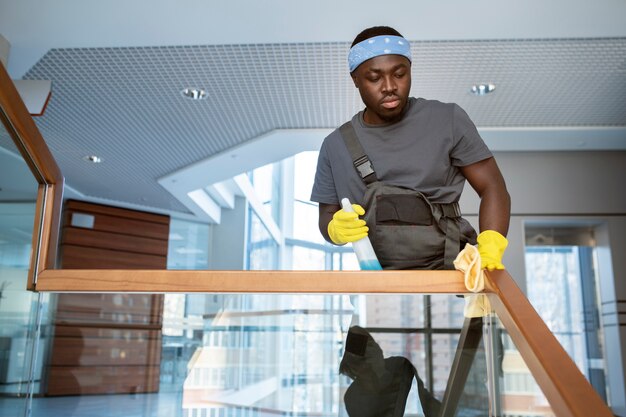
<point>155,281</point>
<point>568,392</point>
<point>35,152</point>
<point>565,387</point>
<point>31,144</point>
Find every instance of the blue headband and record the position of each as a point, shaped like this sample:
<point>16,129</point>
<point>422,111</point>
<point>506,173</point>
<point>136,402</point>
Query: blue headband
<point>376,46</point>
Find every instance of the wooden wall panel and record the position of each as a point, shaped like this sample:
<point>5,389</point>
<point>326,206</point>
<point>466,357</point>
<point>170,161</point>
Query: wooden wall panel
<point>84,380</point>
<point>81,257</point>
<point>87,346</point>
<point>84,207</point>
<point>107,240</point>
<point>120,308</point>
<point>115,221</point>
<point>108,343</point>
<point>123,226</point>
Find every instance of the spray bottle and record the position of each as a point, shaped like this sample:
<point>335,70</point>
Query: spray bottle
<point>363,247</point>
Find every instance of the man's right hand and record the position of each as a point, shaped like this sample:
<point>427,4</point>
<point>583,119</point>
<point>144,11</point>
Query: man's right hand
<point>347,227</point>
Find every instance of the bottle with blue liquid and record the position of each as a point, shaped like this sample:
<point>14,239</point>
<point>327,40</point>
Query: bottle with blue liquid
<point>363,247</point>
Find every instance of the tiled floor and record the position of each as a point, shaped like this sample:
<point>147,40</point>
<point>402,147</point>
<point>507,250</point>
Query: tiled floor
<point>132,405</point>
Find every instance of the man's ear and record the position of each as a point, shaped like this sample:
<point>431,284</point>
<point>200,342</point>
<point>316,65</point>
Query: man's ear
<point>354,80</point>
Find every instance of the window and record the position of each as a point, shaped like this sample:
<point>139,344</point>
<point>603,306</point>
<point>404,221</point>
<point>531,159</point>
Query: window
<point>266,183</point>
<point>309,249</point>
<point>262,248</point>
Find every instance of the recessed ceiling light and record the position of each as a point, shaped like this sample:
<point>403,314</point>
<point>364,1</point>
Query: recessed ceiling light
<point>194,93</point>
<point>92,158</point>
<point>483,89</point>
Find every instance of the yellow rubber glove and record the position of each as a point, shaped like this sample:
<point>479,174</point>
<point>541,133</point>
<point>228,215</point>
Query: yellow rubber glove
<point>491,246</point>
<point>347,227</point>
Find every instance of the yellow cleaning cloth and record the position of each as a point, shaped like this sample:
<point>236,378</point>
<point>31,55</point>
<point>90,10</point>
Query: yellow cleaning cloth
<point>468,262</point>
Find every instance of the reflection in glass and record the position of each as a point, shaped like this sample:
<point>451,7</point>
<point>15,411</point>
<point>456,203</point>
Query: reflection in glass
<point>380,385</point>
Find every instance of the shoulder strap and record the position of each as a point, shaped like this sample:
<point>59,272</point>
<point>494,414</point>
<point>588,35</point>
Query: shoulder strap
<point>359,158</point>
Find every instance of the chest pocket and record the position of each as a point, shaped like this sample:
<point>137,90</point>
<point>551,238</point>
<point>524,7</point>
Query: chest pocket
<point>400,209</point>
<point>404,229</point>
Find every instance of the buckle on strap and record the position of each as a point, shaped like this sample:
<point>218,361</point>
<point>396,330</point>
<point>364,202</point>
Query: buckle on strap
<point>451,210</point>
<point>364,166</point>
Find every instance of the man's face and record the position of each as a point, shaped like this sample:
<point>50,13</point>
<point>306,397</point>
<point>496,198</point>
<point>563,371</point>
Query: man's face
<point>384,83</point>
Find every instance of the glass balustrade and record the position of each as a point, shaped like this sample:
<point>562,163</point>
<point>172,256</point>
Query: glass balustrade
<point>280,355</point>
<point>20,311</point>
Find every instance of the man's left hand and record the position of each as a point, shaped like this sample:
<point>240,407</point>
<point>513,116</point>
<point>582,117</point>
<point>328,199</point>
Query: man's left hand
<point>491,246</point>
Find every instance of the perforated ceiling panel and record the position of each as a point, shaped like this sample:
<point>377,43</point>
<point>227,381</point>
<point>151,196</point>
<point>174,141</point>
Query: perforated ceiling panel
<point>125,104</point>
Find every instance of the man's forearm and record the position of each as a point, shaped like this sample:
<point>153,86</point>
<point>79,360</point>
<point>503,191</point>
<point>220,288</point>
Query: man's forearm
<point>326,212</point>
<point>495,210</point>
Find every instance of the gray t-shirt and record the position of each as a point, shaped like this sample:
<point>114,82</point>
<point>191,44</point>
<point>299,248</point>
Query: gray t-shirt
<point>421,152</point>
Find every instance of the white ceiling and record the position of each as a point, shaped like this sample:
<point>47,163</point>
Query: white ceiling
<point>117,69</point>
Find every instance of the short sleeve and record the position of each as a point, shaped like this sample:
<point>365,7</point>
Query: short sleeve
<point>468,146</point>
<point>324,190</point>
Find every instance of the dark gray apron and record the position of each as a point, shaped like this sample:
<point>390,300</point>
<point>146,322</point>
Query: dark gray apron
<point>407,230</point>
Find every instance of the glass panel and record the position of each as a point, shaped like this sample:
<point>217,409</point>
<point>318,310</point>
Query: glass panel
<point>447,311</point>
<point>443,350</point>
<point>182,314</point>
<point>308,259</point>
<point>305,225</point>
<point>344,261</point>
<point>262,248</point>
<point>7,146</point>
<point>188,245</point>
<point>266,355</point>
<point>266,183</point>
<point>518,392</point>
<point>306,164</point>
<point>248,355</point>
<point>21,311</point>
<point>562,286</point>
<point>305,212</point>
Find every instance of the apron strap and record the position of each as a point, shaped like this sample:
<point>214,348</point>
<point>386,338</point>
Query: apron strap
<point>360,160</point>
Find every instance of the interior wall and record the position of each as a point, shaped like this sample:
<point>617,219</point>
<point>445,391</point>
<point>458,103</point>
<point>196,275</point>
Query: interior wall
<point>560,183</point>
<point>228,246</point>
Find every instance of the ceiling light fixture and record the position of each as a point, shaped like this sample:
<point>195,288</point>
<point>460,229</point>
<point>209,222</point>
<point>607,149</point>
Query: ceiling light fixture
<point>92,158</point>
<point>482,89</point>
<point>194,93</point>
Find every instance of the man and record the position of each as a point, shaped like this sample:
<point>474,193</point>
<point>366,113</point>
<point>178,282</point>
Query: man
<point>418,154</point>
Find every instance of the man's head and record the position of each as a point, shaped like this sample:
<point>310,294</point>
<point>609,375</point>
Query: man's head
<point>380,66</point>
